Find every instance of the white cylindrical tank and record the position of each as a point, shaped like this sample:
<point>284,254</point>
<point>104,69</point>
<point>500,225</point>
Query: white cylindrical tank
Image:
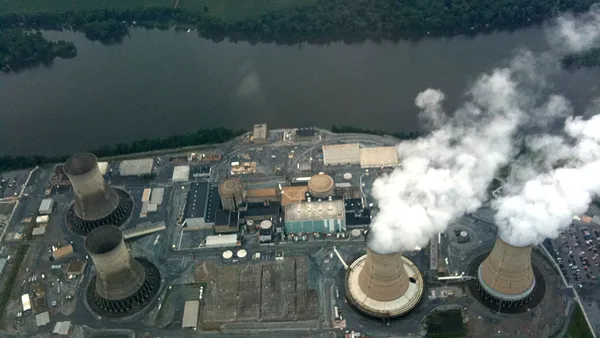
<point>266,225</point>
<point>227,254</point>
<point>347,176</point>
<point>355,233</point>
<point>242,253</point>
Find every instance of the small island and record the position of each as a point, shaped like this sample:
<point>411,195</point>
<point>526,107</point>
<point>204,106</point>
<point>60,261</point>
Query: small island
<point>20,49</point>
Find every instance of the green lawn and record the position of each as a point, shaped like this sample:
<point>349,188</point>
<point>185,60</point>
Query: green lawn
<point>578,327</point>
<point>226,9</point>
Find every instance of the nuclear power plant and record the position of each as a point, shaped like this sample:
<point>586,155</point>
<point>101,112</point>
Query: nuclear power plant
<point>506,276</point>
<point>384,285</point>
<point>122,285</point>
<point>95,203</point>
<point>321,185</point>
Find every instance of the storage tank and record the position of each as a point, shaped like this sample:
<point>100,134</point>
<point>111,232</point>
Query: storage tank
<point>266,231</point>
<point>242,253</point>
<point>321,185</point>
<point>227,254</point>
<point>95,203</point>
<point>384,285</point>
<point>506,275</point>
<point>347,176</point>
<point>232,194</point>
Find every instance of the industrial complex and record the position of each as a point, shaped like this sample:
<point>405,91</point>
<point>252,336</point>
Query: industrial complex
<point>262,236</point>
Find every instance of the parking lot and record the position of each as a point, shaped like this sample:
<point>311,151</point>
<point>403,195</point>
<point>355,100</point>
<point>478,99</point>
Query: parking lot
<point>576,252</point>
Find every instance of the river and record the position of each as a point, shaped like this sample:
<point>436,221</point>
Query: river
<point>160,83</point>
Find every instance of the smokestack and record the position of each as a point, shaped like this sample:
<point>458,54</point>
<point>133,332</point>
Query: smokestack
<point>95,203</point>
<point>506,275</point>
<point>121,282</point>
<point>384,285</point>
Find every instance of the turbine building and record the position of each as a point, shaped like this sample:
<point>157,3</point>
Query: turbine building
<point>122,285</point>
<point>95,203</point>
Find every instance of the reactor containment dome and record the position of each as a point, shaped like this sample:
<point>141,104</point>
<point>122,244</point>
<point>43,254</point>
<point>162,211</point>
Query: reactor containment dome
<point>122,285</point>
<point>506,276</point>
<point>232,194</point>
<point>321,185</point>
<point>384,285</point>
<point>95,203</point>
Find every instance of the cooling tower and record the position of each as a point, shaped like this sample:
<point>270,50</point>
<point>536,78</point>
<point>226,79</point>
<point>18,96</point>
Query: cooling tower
<point>383,285</point>
<point>121,284</point>
<point>232,194</point>
<point>506,275</point>
<point>95,203</point>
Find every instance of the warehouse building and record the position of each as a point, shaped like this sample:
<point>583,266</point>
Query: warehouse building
<point>315,217</point>
<point>341,154</point>
<point>181,173</point>
<point>42,319</point>
<point>260,135</point>
<point>46,206</point>
<point>190,314</point>
<point>136,167</point>
<point>196,206</point>
<point>262,195</point>
<point>62,252</point>
<point>378,157</point>
<point>220,241</point>
<point>261,211</point>
<point>157,196</point>
<point>62,328</point>
<point>306,134</point>
<point>293,194</point>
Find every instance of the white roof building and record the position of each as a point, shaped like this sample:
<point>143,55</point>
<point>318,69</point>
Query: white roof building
<point>46,206</point>
<point>221,240</point>
<point>378,157</point>
<point>62,328</point>
<point>42,319</point>
<point>136,167</point>
<point>42,219</point>
<point>341,154</point>
<point>190,314</point>
<point>26,301</point>
<point>38,231</point>
<point>103,167</point>
<point>157,196</point>
<point>181,173</point>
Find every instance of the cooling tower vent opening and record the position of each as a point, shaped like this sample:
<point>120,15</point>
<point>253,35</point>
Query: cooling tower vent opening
<point>412,280</point>
<point>103,239</point>
<point>80,164</point>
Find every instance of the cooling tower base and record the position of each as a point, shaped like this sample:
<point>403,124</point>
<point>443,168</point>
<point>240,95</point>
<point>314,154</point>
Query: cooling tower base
<point>373,308</point>
<point>130,305</point>
<point>117,218</point>
<point>503,305</point>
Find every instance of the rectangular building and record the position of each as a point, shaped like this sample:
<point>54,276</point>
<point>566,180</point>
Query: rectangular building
<point>341,154</point>
<point>293,194</point>
<point>62,252</point>
<point>26,302</point>
<point>221,241</point>
<point>262,195</point>
<point>2,264</point>
<point>181,173</point>
<point>42,219</point>
<point>46,206</point>
<point>196,204</point>
<point>226,222</point>
<point>157,196</point>
<point>306,133</point>
<point>378,157</point>
<point>190,314</point>
<point>261,211</point>
<point>136,167</point>
<point>260,134</point>
<point>103,167</point>
<point>318,217</point>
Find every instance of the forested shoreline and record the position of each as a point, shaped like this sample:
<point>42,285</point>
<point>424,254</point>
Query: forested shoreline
<point>201,136</point>
<point>20,49</point>
<point>586,59</point>
<point>321,22</point>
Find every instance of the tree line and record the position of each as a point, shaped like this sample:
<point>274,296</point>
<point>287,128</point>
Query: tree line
<point>201,136</point>
<point>20,49</point>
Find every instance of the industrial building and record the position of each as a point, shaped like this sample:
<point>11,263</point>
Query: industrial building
<point>219,241</point>
<point>341,154</point>
<point>157,196</point>
<point>59,179</point>
<point>378,157</point>
<point>62,252</point>
<point>62,328</point>
<point>136,167</point>
<point>42,319</point>
<point>260,135</point>
<point>266,231</point>
<point>262,195</point>
<point>26,302</point>
<point>226,222</point>
<point>261,211</point>
<point>95,203</point>
<point>46,206</point>
<point>293,194</point>
<point>76,267</point>
<point>315,217</point>
<point>181,173</point>
<point>38,231</point>
<point>190,314</point>
<point>306,134</point>
<point>103,167</point>
<point>321,186</point>
<point>122,285</point>
<point>232,193</point>
<point>506,275</point>
<point>200,171</point>
<point>384,285</point>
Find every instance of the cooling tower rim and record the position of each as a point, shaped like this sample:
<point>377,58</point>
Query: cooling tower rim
<point>500,295</point>
<point>500,236</point>
<point>102,234</point>
<point>384,309</point>
<point>80,164</point>
<point>231,187</point>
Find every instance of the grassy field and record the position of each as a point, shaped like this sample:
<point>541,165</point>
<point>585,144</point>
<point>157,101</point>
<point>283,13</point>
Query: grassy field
<point>578,327</point>
<point>226,9</point>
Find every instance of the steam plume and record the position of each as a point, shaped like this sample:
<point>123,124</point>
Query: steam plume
<point>445,174</point>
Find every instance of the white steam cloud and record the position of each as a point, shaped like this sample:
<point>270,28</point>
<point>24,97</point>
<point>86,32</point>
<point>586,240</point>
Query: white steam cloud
<point>446,174</point>
<point>546,203</point>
